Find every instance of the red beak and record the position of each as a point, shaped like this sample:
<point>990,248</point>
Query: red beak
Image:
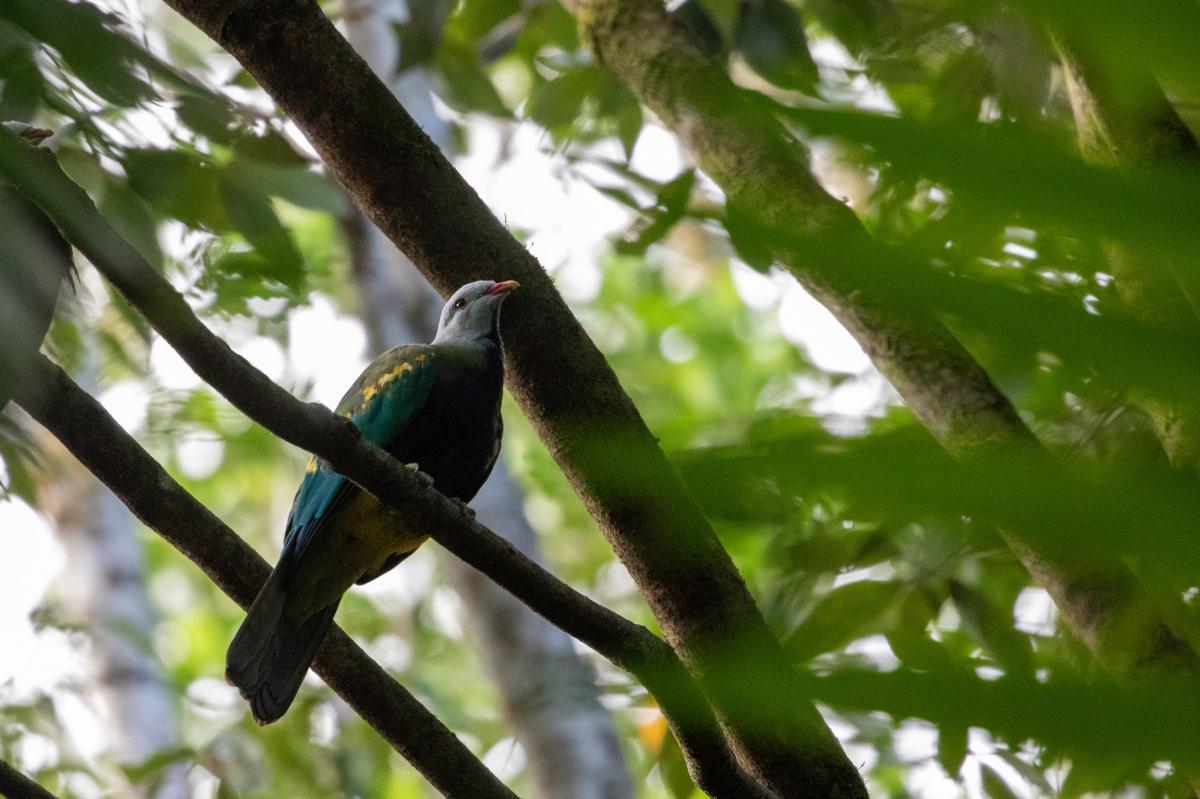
<point>503,287</point>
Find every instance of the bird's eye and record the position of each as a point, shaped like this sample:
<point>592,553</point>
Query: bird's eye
<point>460,303</point>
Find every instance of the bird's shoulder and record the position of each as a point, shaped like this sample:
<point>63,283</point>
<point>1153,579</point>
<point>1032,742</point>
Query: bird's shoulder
<point>381,402</point>
<point>404,372</point>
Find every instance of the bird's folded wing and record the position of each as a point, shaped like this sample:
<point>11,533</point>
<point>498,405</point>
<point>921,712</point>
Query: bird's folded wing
<point>381,403</point>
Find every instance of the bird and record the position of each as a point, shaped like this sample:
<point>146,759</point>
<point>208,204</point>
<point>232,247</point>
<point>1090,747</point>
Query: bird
<point>435,407</point>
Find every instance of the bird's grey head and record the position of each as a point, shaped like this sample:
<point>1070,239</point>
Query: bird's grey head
<point>472,314</point>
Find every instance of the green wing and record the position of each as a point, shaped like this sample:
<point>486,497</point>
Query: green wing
<point>381,403</point>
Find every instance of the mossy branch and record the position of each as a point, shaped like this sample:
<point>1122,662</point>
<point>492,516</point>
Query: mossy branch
<point>764,173</point>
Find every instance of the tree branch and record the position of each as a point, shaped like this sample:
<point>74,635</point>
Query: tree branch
<point>94,437</point>
<point>1125,121</point>
<point>571,395</point>
<point>15,784</point>
<point>764,175</point>
<point>100,444</point>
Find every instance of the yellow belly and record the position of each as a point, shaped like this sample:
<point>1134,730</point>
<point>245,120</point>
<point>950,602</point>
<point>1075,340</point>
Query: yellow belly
<point>356,540</point>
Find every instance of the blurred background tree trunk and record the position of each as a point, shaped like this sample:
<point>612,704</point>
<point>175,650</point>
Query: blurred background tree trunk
<point>549,692</point>
<point>103,588</point>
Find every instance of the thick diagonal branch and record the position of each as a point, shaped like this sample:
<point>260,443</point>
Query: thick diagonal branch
<point>406,186</point>
<point>95,438</point>
<point>99,443</point>
<point>547,689</point>
<point>764,174</point>
<point>1124,121</point>
<point>14,783</point>
<point>315,428</point>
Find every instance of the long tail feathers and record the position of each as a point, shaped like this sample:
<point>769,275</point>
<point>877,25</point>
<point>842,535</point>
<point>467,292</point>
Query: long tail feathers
<point>269,655</point>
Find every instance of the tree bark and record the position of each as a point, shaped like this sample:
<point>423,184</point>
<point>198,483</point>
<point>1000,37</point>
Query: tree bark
<point>764,174</point>
<point>16,785</point>
<point>570,394</point>
<point>1124,121</point>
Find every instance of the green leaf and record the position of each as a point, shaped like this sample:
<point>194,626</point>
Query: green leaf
<point>89,41</point>
<point>208,115</point>
<point>132,218</point>
<point>995,786</point>
<point>157,762</point>
<point>693,16</point>
<point>844,614</point>
<point>917,651</point>
<point>746,238</point>
<point>629,127</point>
<point>420,35</point>
<point>240,275</point>
<point>20,460</point>
<point>952,747</point>
<point>252,215</point>
<point>23,86</point>
<point>1092,774</point>
<point>993,628</point>
<point>464,84</point>
<point>656,222</point>
<point>556,103</point>
<point>770,36</point>
<point>673,769</point>
<point>1031,773</point>
<point>178,184</point>
<point>269,148</point>
<point>299,185</point>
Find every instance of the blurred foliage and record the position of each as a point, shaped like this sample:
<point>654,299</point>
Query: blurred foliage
<point>876,559</point>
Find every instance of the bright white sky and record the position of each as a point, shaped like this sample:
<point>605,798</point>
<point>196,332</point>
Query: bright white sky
<point>568,223</point>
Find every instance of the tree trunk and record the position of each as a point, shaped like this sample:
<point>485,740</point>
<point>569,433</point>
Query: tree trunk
<point>1125,121</point>
<point>401,181</point>
<point>765,175</point>
<point>104,587</point>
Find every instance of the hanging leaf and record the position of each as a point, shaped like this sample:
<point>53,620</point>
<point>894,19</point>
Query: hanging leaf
<point>770,37</point>
<point>629,127</point>
<point>746,236</point>
<point>463,84</point>
<point>656,221</point>
<point>130,216</point>
<point>250,211</point>
<point>89,41</point>
<point>994,629</point>
<point>179,185</point>
<point>22,86</point>
<point>673,769</point>
<point>208,115</point>
<point>418,36</point>
<point>693,16</point>
<point>299,185</point>
<point>271,148</point>
<point>558,102</point>
<point>952,747</point>
<point>995,786</point>
<point>845,613</point>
